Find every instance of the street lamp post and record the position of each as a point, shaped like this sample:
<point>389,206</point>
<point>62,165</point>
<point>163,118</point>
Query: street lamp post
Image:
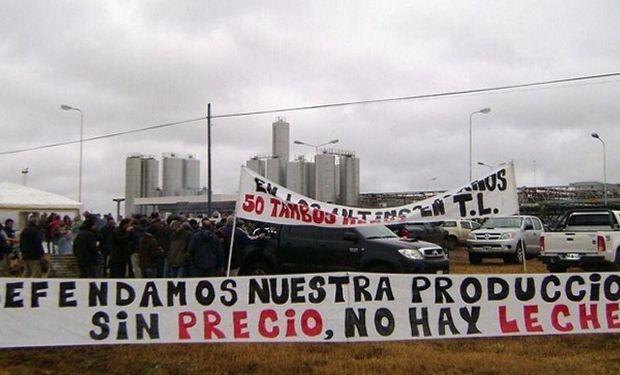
<point>118,207</point>
<point>24,174</point>
<point>595,135</point>
<point>316,147</point>
<point>485,165</point>
<point>65,107</point>
<point>484,111</point>
<point>316,150</point>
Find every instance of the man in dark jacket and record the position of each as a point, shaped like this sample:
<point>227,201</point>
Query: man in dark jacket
<point>121,251</point>
<point>149,253</point>
<point>105,246</point>
<point>178,255</point>
<point>242,239</point>
<point>5,253</point>
<point>85,249</point>
<point>205,249</point>
<point>31,245</point>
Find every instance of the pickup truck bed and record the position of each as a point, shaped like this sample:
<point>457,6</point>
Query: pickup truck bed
<point>573,243</point>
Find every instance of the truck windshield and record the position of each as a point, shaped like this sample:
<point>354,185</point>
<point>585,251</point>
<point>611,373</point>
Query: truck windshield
<point>503,222</point>
<point>376,231</point>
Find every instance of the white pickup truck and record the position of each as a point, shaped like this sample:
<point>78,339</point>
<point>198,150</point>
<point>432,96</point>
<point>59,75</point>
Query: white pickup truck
<point>573,242</point>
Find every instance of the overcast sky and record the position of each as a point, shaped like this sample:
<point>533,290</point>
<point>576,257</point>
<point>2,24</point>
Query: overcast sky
<point>133,64</point>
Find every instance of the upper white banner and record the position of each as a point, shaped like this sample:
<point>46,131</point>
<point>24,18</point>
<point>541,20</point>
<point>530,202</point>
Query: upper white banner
<point>263,200</point>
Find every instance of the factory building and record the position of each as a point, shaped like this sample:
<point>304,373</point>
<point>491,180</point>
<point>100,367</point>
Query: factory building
<point>333,176</point>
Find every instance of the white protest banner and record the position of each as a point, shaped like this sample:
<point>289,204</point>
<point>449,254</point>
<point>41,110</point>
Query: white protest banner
<point>263,200</point>
<point>339,307</point>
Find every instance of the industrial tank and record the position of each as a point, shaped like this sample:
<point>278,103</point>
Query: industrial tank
<point>191,173</point>
<point>150,176</point>
<point>297,176</point>
<point>272,170</point>
<point>349,181</point>
<point>280,148</point>
<point>172,175</point>
<point>256,165</point>
<point>133,182</point>
<point>325,165</point>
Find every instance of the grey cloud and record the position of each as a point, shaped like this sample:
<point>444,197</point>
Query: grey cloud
<point>130,65</point>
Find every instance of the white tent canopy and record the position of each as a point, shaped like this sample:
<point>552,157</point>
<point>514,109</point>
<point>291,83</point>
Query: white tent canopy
<point>17,201</point>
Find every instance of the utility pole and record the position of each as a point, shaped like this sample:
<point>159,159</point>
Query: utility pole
<point>209,196</point>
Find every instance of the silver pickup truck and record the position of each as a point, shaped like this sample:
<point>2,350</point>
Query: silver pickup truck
<point>507,237</point>
<point>573,242</point>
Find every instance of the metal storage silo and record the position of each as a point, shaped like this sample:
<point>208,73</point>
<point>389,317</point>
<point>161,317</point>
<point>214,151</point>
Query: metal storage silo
<point>172,175</point>
<point>280,139</point>
<point>150,176</point>
<point>349,180</point>
<point>272,170</point>
<point>191,173</point>
<point>297,176</point>
<point>325,165</point>
<point>133,182</point>
<point>256,165</point>
<point>311,183</point>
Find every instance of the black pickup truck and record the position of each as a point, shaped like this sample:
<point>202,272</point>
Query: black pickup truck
<point>309,249</point>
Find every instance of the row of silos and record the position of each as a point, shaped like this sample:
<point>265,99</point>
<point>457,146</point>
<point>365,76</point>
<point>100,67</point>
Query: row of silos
<point>330,178</point>
<point>141,179</point>
<point>180,176</point>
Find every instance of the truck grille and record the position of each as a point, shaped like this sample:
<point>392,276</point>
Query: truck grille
<point>432,252</point>
<point>487,236</point>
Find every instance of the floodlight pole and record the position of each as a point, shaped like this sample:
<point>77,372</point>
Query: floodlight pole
<point>483,111</point>
<point>595,135</point>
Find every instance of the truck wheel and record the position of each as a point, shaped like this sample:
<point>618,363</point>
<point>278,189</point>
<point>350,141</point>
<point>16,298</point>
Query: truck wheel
<point>258,268</point>
<point>555,268</point>
<point>451,242</point>
<point>517,257</point>
<point>475,258</point>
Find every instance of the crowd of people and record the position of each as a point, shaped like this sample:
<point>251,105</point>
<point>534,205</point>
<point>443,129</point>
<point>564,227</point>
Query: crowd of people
<point>139,246</point>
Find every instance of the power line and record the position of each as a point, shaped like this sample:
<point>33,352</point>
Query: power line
<point>323,106</point>
<point>423,96</point>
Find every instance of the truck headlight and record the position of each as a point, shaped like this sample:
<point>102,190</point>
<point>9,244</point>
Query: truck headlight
<point>471,236</point>
<point>411,253</point>
<point>507,236</point>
